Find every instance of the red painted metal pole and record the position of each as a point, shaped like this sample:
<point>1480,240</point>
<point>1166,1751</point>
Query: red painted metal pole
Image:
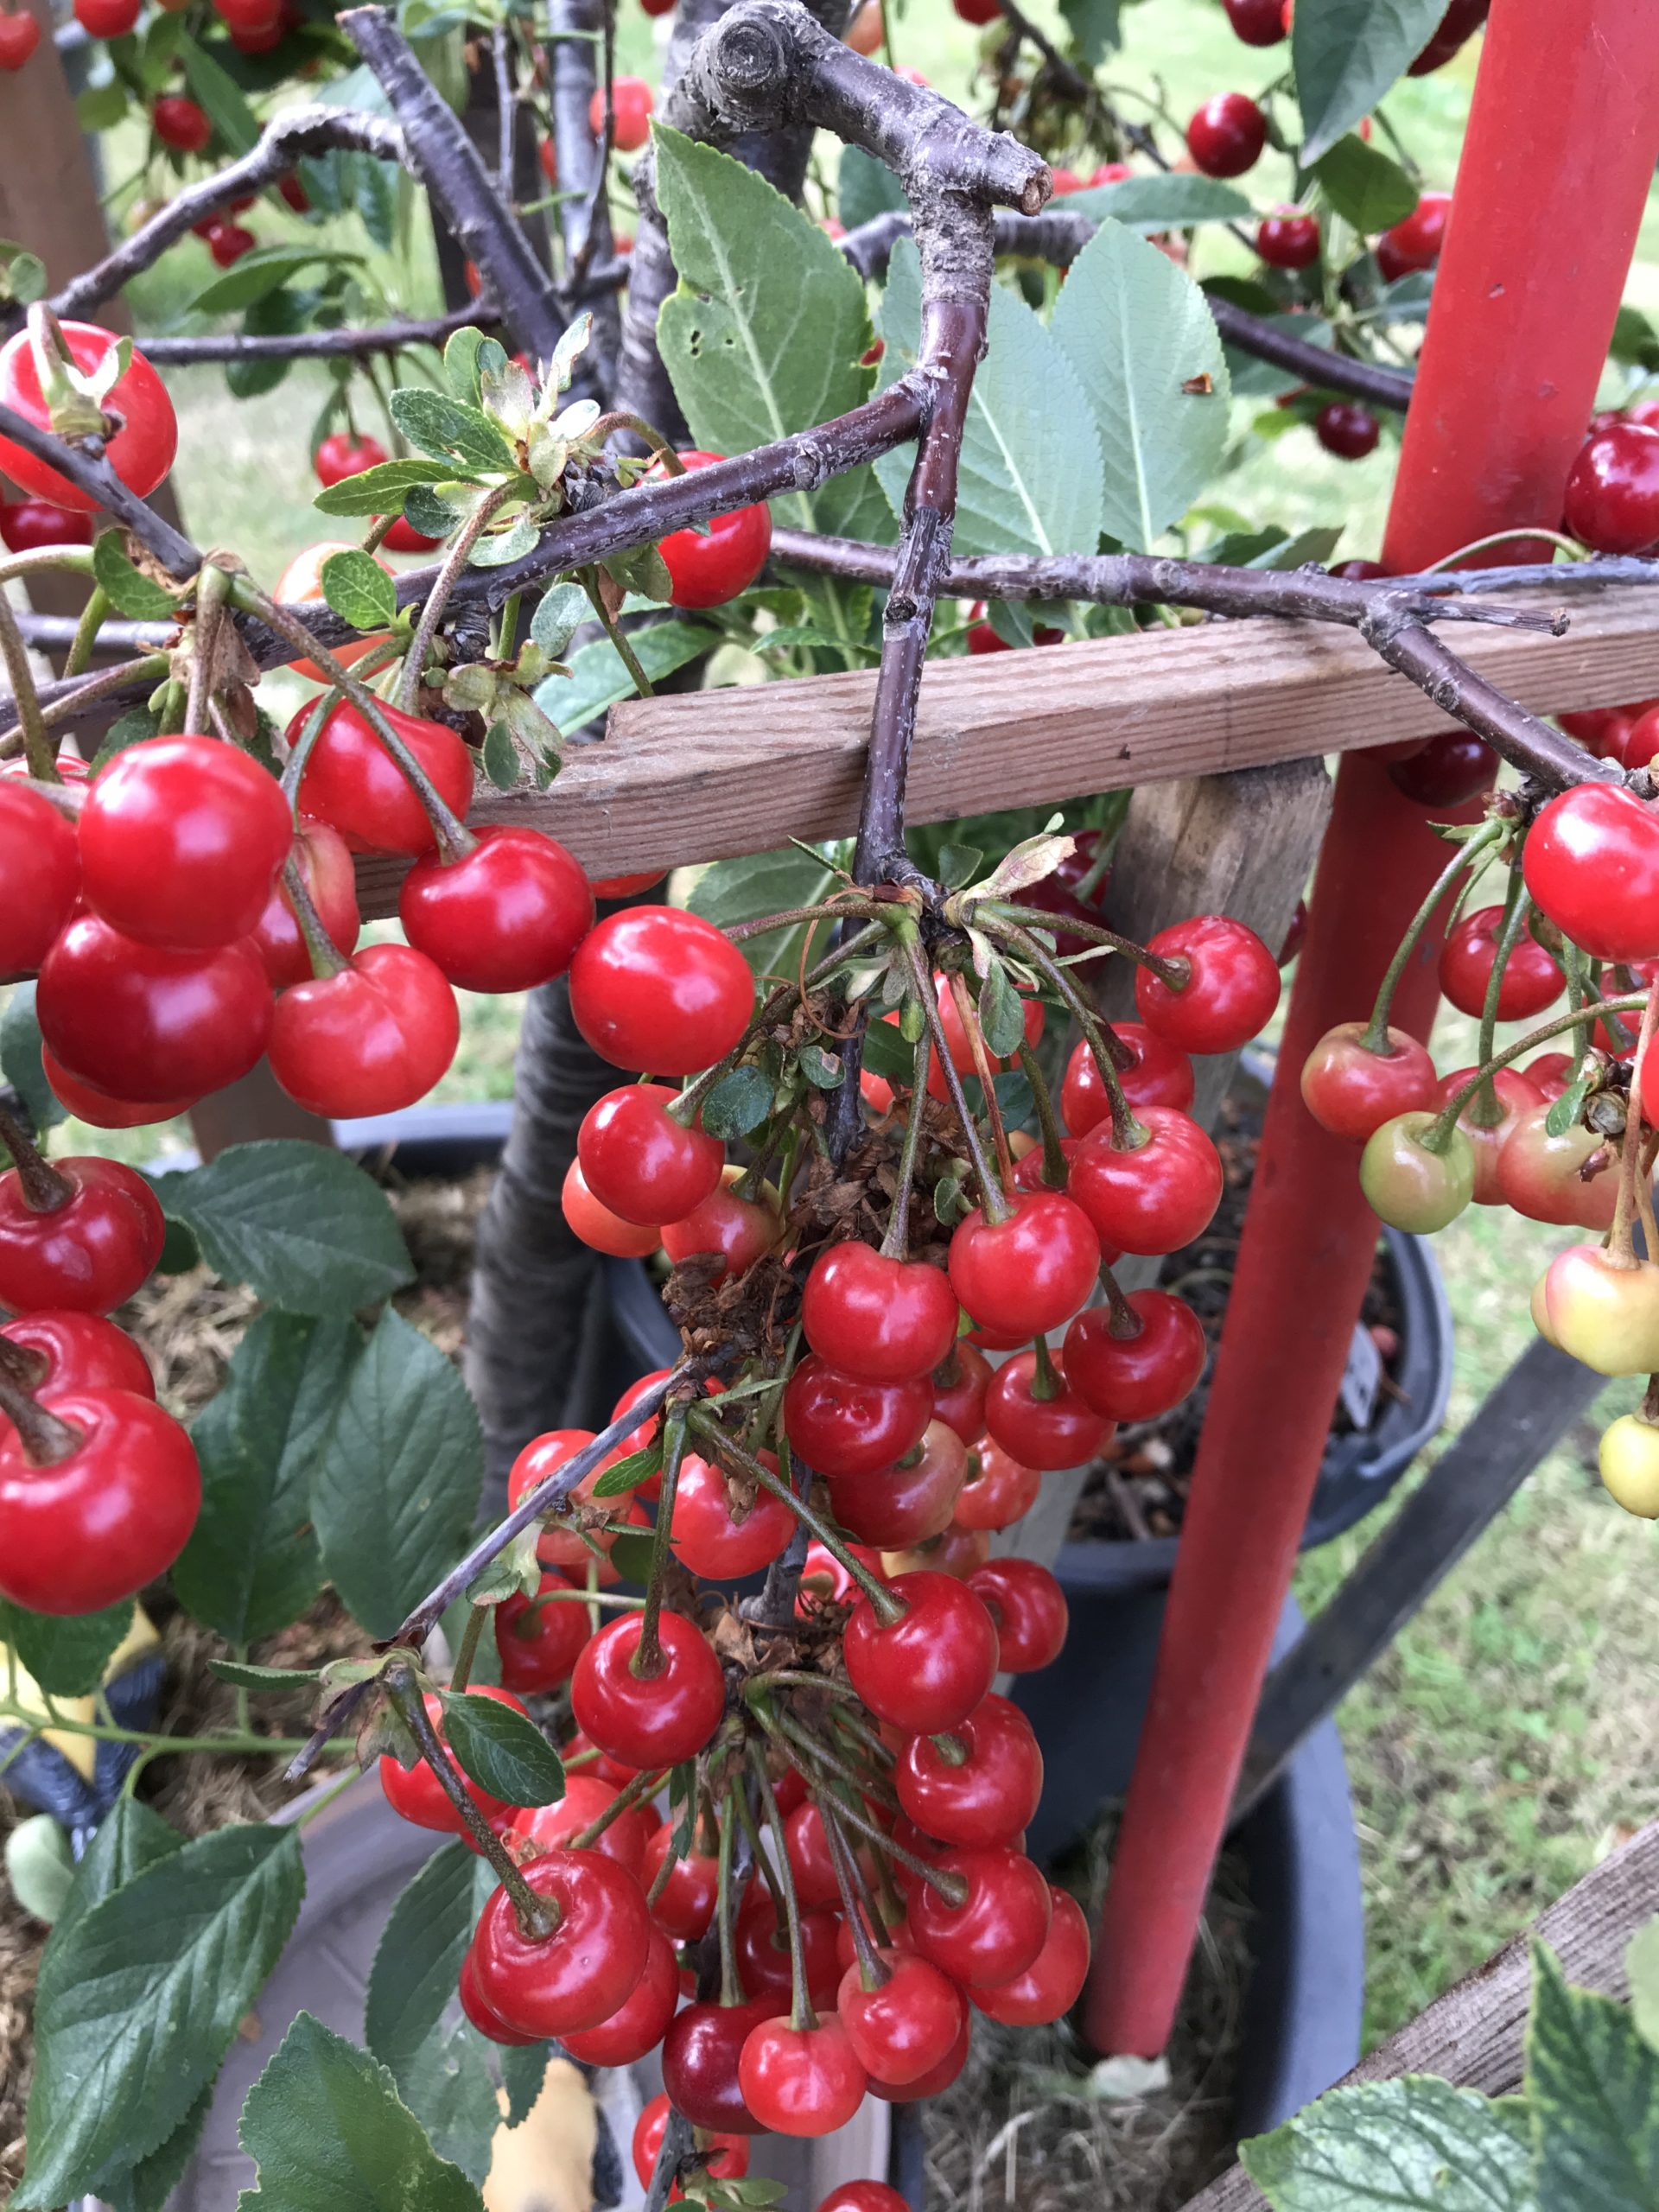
<point>1562,140</point>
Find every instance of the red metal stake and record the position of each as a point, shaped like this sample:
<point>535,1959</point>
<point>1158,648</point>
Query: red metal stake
<point>1562,140</point>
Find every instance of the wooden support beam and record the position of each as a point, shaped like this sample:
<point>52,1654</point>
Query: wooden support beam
<point>701,777</point>
<point>1472,2036</point>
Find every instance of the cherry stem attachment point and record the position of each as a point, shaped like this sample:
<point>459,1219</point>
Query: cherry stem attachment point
<point>1437,1138</point>
<point>324,954</point>
<point>1126,1322</point>
<point>44,1190</point>
<point>48,1441</point>
<point>455,561</point>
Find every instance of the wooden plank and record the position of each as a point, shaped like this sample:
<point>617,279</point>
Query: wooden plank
<point>1472,2036</point>
<point>682,778</point>
<point>1524,1417</point>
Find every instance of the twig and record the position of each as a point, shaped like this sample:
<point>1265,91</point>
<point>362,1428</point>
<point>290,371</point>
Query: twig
<point>82,460</point>
<point>321,344</point>
<point>506,113</point>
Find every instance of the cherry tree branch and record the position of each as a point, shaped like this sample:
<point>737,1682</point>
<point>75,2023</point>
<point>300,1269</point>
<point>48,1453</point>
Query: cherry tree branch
<point>585,216</point>
<point>320,345</point>
<point>82,460</point>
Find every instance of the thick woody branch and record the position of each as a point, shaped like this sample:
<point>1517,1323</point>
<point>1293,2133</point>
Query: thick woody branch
<point>585,216</point>
<point>82,460</point>
<point>306,131</point>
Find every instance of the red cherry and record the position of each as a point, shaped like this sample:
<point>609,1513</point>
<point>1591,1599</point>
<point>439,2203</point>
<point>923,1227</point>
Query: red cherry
<point>998,1490</point>
<point>979,1784</point>
<point>228,241</point>
<point>556,1827</point>
<point>1138,1376</point>
<point>725,2158</point>
<point>932,1666</point>
<point>140,452</point>
<point>68,1350</point>
<point>471,2004</point>
<point>597,1225</point>
<point>1352,1091</point>
<point>1451,768</point>
<point>180,124</point>
<point>1155,1198</point>
<point>1061,1431</point>
<point>540,1644</point>
<point>353,782</point>
<point>958,1553</point>
<point>715,1541</point>
<point>608,1769</point>
<point>403,537</point>
<point>956,1034</point>
<point>324,860</point>
<point>998,1929</point>
<point>628,886</point>
<point>659,989</point>
<point>107,18</point>
<point>1542,1176</point>
<point>932,2084</point>
<point>1461,20</point>
<point>826,1581</point>
<point>904,2028</point>
<point>846,1424</point>
<point>685,1904</point>
<point>1347,429</point>
<point>1517,1095</point>
<point>505,916</point>
<point>656,1719</point>
<point>979,12</point>
<point>560,1984</point>
<point>909,1503</point>
<point>637,2024</point>
<point>700,2056</point>
<point>558,1544</point>
<point>370,1040</point>
<point>1531,979</point>
<point>738,1230</point>
<point>1029,1608</point>
<point>1416,242</point>
<point>708,568</point>
<point>630,106</point>
<point>84,1531</point>
<point>1257,22</point>
<point>91,1251</point>
<point>801,2080</point>
<point>1028,1273</point>
<point>1550,1074</point>
<point>1288,240</point>
<point>1052,1983</point>
<point>1225,137</point>
<point>40,869</point>
<point>960,1383</point>
<point>868,1315</point>
<point>343,453</point>
<point>25,525</point>
<point>19,36</point>
<point>1161,1075</point>
<point>182,840</point>
<point>101,1108</point>
<point>1591,863</point>
<point>864,2196</point>
<point>642,1163</point>
<point>1611,499</point>
<point>637,1439</point>
<point>414,1792</point>
<point>761,1946</point>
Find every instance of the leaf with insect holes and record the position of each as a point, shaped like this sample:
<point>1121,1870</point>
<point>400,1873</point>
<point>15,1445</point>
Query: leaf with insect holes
<point>628,1474</point>
<point>450,431</point>
<point>381,490</point>
<point>1346,54</point>
<point>1363,186</point>
<point>740,1102</point>
<point>502,1749</point>
<point>359,590</point>
<point>127,589</point>
<point>561,613</point>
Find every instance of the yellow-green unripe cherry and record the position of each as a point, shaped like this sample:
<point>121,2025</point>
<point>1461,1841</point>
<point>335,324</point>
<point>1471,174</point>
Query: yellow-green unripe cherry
<point>1630,1465</point>
<point>1603,1312</point>
<point>1409,1186</point>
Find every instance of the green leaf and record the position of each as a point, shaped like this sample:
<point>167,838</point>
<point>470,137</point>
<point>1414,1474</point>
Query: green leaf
<point>397,1482</point>
<point>359,590</point>
<point>559,614</point>
<point>866,188</point>
<point>500,757</point>
<point>130,1838</point>
<point>1142,342</point>
<point>65,1654</point>
<point>380,490</point>
<point>146,2186</point>
<point>20,1059</point>
<point>1414,2145</point>
<point>40,1866</point>
<point>450,431</point>
<point>629,1473</point>
<point>461,364</point>
<point>246,1676</point>
<point>427,512</point>
<point>1564,1111</point>
<point>130,591</point>
<point>501,547</point>
<point>1346,54</point>
<point>740,1102</point>
<point>631,1556</point>
<point>215,90</point>
<point>304,1227</point>
<point>599,676</point>
<point>1634,339</point>
<point>1361,184</point>
<point>886,1054</point>
<point>1642,1972</point>
<point>130,729</point>
<point>524,2069</point>
<point>280,313</point>
<point>1094,27</point>
<point>325,2126</point>
<point>764,334</point>
<point>265,269</point>
<point>23,274</point>
<point>1592,2085</point>
<point>1160,203</point>
<point>417,1960</point>
<point>1031,461</point>
<point>502,1750</point>
<point>758,884</point>
<point>374,194</point>
<point>1293,552</point>
<point>252,1565</point>
<point>1001,1014</point>
<point>100,107</point>
<point>140,2000</point>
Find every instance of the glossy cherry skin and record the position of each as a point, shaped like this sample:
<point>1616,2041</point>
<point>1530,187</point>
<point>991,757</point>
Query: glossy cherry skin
<point>353,782</point>
<point>68,1350</point>
<point>713,1540</point>
<point>1611,499</point>
<point>865,2196</point>
<point>560,1984</point>
<point>1542,1176</point>
<point>1451,768</point>
<point>1155,1198</point>
<point>1030,1272</point>
<point>648,1721</point>
<point>931,2084</point>
<point>1257,22</point>
<point>1517,1095</point>
<point>960,1383</point>
<point>1415,243</point>
<point>734,1230</point>
<point>181,839</point>
<point>1347,429</point>
<point>557,1827</point>
<point>597,1225</point>
<point>685,1904</point>
<point>1052,1983</point>
<point>1225,137</point>
<point>369,1041</point>
<point>1029,1608</point>
<point>141,452</point>
<point>1603,1313</point>
<point>87,1255</point>
<point>998,1490</point>
<point>505,916</point>
<point>1230,992</point>
<point>631,102</point>
<point>708,569</point>
<point>641,1162</point>
<point>1138,1376</point>
<point>998,1930</point>
<point>27,525</point>
<point>86,1531</point>
<point>726,2158</point>
<point>932,1668</point>
<point>1046,1433</point>
<point>907,2026</point>
<point>1628,1460</point>
<point>958,1553</point>
<point>909,1503</point>
<point>801,2080</point>
<point>180,124</point>
<point>414,1792</point>
<point>1531,979</point>
<point>559,1544</point>
<point>228,241</point>
<point>1352,1091</point>
<point>700,2056</point>
<point>581,1756</point>
<point>539,1648</point>
<point>19,36</point>
<point>40,866</point>
<point>762,1945</point>
<point>886,1319</point>
<point>845,1424</point>
<point>1550,1074</point>
<point>102,1108</point>
<point>479,2013</point>
<point>826,1581</point>
<point>1410,1186</point>
<point>637,2024</point>
<point>343,453</point>
<point>660,990</point>
<point>1591,863</point>
<point>979,1784</point>
<point>1161,1075</point>
<point>1288,240</point>
<point>403,537</point>
<point>324,860</point>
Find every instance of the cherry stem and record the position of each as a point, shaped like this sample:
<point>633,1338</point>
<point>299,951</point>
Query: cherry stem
<point>827,910</point>
<point>38,748</point>
<point>1486,1111</point>
<point>968,1015</point>
<point>461,1673</point>
<point>44,1190</point>
<point>48,1441</point>
<point>873,1972</point>
<point>1054,1168</point>
<point>613,629</point>
<point>993,1199</point>
<point>538,1917</point>
<point>1375,1039</point>
<point>1129,1134</point>
<point>618,418</point>
<point>1621,1249</point>
<point>805,1750</point>
<point>1046,1384</point>
<point>455,561</point>
<point>731,1989</point>
<point>1438,1138</point>
<point>1648,1409</point>
<point>854,1724</point>
<point>895,1244</point>
<point>22,1366</point>
<point>801,2014</point>
<point>323,953</point>
<point>93,618</point>
<point>644,1784</point>
<point>1175,974</point>
<point>1126,1322</point>
<point>212,588</point>
<point>953,1888</point>
<point>647,1661</point>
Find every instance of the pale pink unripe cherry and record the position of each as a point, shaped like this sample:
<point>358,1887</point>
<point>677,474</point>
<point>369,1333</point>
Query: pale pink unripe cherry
<point>1602,1312</point>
